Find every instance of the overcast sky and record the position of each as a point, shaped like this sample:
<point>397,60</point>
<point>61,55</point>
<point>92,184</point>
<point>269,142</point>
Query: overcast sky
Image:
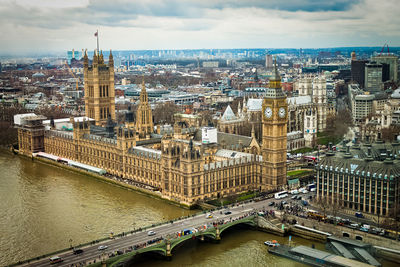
<point>36,26</point>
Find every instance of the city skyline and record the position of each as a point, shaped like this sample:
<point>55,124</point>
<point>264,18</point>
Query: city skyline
<point>54,26</point>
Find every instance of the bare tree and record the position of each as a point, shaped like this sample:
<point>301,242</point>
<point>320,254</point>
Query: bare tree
<point>336,205</point>
<point>393,220</point>
<point>164,113</point>
<point>390,133</point>
<point>52,112</point>
<point>323,203</point>
<point>8,134</point>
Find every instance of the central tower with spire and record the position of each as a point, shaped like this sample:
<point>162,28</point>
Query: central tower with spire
<point>274,141</point>
<point>99,88</point>
<point>144,117</point>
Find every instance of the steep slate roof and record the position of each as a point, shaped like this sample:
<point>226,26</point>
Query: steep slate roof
<point>232,140</point>
<point>228,114</point>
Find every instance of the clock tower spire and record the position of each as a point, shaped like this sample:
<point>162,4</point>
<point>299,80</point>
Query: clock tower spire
<point>274,130</point>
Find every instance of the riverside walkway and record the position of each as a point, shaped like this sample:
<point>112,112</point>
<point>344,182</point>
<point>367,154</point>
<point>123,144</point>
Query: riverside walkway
<point>167,236</point>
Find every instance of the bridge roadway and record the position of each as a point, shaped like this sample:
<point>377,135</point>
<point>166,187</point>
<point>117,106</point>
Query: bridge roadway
<point>121,243</point>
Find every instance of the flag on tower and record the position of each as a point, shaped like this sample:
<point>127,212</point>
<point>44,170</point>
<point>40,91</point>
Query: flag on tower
<point>96,33</point>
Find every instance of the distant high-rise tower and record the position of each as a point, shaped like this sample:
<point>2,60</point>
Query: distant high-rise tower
<point>99,88</point>
<point>358,70</point>
<point>353,55</point>
<point>373,77</point>
<point>268,61</point>
<point>144,117</point>
<point>274,141</point>
<point>390,60</point>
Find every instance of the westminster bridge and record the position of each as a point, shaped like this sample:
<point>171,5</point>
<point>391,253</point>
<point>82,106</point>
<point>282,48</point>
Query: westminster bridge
<point>168,236</point>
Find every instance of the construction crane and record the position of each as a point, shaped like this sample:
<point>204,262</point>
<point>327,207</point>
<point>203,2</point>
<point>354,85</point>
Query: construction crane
<point>383,48</point>
<point>73,75</point>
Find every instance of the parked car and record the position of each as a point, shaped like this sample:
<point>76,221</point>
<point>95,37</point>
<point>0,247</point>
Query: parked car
<point>150,233</point>
<point>271,203</point>
<point>294,197</point>
<point>228,212</point>
<point>102,247</point>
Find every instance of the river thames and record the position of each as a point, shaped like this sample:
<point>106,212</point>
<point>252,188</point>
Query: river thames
<point>46,208</point>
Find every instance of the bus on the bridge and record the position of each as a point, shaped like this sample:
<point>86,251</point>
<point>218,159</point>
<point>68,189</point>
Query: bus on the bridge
<point>55,259</point>
<point>281,194</point>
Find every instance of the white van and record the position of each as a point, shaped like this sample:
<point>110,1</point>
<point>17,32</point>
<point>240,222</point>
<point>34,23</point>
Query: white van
<point>294,192</point>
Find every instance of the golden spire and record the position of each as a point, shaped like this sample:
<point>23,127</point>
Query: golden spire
<point>275,80</point>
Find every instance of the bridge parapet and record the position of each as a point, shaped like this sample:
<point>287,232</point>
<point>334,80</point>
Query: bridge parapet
<point>166,246</point>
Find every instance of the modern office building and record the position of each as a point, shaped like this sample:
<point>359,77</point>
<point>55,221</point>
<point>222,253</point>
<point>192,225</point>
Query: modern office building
<point>362,106</point>
<point>358,71</point>
<point>392,62</point>
<point>268,61</point>
<point>365,177</point>
<point>373,77</point>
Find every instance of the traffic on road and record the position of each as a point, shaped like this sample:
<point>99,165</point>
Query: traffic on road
<point>295,202</point>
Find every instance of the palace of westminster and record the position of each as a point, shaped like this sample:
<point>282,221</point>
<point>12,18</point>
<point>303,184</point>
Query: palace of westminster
<point>188,164</point>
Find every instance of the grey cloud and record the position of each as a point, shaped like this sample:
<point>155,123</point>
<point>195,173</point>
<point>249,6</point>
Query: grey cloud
<point>124,13</point>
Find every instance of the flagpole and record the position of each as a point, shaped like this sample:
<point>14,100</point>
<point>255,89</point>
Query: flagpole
<point>97,35</point>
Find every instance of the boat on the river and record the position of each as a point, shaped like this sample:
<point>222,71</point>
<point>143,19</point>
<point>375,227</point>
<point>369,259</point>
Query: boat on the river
<point>272,243</point>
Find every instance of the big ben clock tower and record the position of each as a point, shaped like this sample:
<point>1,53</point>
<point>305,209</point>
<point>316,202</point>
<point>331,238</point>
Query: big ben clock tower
<point>274,135</point>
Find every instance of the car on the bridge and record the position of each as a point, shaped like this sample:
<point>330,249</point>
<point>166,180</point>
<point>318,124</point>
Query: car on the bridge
<point>55,259</point>
<point>209,216</point>
<point>271,203</point>
<point>150,233</point>
<point>358,214</point>
<point>228,212</point>
<point>102,247</point>
<point>78,251</point>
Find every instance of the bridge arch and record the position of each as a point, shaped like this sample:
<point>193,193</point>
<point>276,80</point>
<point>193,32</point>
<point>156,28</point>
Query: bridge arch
<point>131,255</point>
<point>247,222</point>
<point>182,240</point>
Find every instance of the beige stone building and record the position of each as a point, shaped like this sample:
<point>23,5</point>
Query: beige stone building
<point>175,164</point>
<point>99,88</point>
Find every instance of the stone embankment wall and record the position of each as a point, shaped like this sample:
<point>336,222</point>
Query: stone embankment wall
<point>338,231</point>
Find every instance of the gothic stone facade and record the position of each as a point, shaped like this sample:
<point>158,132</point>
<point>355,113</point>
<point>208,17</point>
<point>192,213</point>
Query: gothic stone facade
<point>179,170</point>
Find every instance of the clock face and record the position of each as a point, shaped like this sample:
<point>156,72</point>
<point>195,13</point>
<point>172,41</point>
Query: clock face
<point>268,112</point>
<point>282,112</point>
